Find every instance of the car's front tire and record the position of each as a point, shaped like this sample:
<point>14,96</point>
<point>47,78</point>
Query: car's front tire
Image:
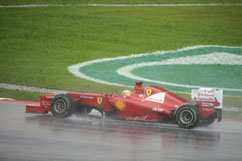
<point>62,106</point>
<point>187,116</point>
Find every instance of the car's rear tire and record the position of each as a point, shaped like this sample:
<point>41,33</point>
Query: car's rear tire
<point>62,106</point>
<point>187,116</point>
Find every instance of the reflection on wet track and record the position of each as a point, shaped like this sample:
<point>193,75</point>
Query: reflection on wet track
<point>43,137</point>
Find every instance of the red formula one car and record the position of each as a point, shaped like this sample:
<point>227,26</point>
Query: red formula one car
<point>147,103</point>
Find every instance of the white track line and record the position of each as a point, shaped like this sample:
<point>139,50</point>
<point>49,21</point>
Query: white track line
<point>119,5</point>
<point>164,5</point>
<point>33,5</point>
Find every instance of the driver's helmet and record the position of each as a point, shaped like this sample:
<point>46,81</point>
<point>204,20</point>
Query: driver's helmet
<point>126,92</point>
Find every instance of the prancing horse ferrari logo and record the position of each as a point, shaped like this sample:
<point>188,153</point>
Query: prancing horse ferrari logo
<point>99,100</point>
<point>148,92</point>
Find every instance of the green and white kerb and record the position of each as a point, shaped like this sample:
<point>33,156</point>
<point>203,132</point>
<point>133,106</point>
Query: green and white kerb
<point>179,70</point>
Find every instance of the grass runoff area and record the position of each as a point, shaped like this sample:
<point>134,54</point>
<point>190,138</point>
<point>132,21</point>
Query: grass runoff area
<point>7,2</point>
<point>38,44</point>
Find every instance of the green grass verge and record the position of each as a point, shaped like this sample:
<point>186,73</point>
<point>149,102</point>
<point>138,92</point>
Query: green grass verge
<point>114,1</point>
<point>38,44</point>
<point>20,95</point>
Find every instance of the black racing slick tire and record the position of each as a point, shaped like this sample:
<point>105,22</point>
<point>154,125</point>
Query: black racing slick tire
<point>187,116</point>
<point>62,106</point>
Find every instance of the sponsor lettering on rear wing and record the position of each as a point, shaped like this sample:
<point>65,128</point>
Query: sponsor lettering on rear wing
<point>208,95</point>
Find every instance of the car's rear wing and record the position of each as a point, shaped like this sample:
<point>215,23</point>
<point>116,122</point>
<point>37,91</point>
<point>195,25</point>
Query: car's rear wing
<point>208,95</point>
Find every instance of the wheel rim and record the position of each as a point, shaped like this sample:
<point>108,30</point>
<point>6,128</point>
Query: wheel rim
<point>59,106</point>
<point>186,116</point>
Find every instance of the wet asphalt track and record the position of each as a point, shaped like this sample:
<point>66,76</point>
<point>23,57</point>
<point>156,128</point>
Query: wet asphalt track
<point>43,137</point>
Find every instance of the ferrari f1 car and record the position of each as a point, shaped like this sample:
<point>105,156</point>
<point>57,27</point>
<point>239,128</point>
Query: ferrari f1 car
<point>147,103</point>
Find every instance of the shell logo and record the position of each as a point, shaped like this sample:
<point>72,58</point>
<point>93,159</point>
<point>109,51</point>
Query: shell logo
<point>148,92</point>
<point>99,100</point>
<point>120,105</point>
